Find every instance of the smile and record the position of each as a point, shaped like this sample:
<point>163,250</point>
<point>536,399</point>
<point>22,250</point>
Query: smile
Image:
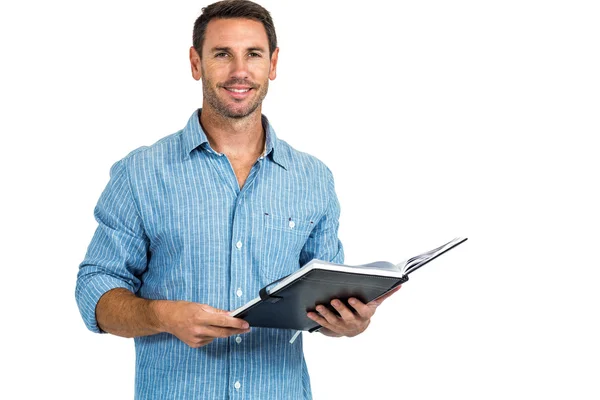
<point>238,90</point>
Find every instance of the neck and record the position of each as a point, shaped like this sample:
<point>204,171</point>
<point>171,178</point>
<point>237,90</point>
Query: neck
<point>235,137</point>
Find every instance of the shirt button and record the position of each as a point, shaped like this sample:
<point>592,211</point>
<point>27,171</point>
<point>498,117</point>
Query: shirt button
<point>292,224</point>
<point>239,293</point>
<point>238,245</point>
<point>237,385</point>
<point>238,340</point>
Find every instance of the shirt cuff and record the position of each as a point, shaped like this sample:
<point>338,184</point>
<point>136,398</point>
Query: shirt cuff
<point>88,294</point>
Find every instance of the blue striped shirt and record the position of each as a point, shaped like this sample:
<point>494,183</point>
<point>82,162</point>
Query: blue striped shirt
<point>174,224</point>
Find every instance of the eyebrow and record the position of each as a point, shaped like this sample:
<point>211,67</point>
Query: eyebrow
<point>228,49</point>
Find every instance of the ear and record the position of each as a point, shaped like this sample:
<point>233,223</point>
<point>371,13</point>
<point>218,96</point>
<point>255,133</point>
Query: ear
<point>195,64</point>
<point>273,70</point>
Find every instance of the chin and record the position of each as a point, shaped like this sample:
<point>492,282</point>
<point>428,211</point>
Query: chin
<point>240,112</point>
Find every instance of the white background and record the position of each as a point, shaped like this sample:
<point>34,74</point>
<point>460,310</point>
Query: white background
<point>438,119</point>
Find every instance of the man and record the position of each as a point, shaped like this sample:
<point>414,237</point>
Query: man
<point>197,223</point>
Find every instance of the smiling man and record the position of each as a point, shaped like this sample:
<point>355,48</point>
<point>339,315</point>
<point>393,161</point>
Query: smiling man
<point>199,222</point>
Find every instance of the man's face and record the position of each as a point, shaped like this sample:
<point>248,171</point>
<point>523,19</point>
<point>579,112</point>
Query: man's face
<point>234,66</point>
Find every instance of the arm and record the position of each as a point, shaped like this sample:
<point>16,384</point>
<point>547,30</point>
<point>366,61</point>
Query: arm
<point>122,313</point>
<point>109,276</point>
<point>323,243</point>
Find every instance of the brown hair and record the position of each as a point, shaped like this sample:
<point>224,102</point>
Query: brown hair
<point>233,9</point>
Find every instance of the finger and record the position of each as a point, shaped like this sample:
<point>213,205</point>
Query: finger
<point>213,310</point>
<point>220,332</point>
<point>328,315</point>
<point>204,339</point>
<point>199,342</point>
<point>345,312</point>
<point>222,318</point>
<point>320,320</point>
<point>380,300</point>
<point>363,310</point>
<point>224,321</point>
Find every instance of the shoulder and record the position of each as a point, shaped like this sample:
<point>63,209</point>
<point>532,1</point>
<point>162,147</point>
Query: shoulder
<point>144,158</point>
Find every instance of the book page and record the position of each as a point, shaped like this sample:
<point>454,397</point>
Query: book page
<point>416,262</point>
<point>380,265</point>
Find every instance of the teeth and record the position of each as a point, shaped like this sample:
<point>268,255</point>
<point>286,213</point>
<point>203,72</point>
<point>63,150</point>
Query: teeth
<point>238,90</point>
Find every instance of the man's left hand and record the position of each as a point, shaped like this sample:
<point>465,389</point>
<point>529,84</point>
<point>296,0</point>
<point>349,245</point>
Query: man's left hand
<point>350,322</point>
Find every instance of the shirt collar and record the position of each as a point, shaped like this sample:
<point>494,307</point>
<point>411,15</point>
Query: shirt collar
<point>194,137</point>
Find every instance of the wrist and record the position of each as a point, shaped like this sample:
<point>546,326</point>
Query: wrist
<point>158,310</point>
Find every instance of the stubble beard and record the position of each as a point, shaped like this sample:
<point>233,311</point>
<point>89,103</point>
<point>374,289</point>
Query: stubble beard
<point>236,111</point>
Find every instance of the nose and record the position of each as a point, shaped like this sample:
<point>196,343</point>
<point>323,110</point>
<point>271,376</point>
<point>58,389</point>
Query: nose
<point>239,68</point>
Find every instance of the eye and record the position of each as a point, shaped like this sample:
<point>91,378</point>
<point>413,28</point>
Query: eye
<point>254,55</point>
<point>221,54</point>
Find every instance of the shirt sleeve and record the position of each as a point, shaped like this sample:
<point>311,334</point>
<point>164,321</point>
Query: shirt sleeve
<point>118,252</point>
<point>323,242</point>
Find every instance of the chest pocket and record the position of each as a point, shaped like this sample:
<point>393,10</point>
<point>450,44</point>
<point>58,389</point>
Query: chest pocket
<point>284,237</point>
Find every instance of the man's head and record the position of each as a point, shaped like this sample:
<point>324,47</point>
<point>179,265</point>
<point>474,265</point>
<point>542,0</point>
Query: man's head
<point>235,53</point>
<point>233,9</point>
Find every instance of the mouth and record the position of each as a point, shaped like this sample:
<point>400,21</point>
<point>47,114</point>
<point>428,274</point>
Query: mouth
<point>238,92</point>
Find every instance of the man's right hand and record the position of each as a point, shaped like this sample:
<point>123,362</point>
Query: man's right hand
<point>197,324</point>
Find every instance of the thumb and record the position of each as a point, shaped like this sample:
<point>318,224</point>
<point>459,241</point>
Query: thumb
<point>212,310</point>
<point>377,303</point>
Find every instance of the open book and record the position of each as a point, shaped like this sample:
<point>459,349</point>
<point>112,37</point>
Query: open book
<point>287,302</point>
